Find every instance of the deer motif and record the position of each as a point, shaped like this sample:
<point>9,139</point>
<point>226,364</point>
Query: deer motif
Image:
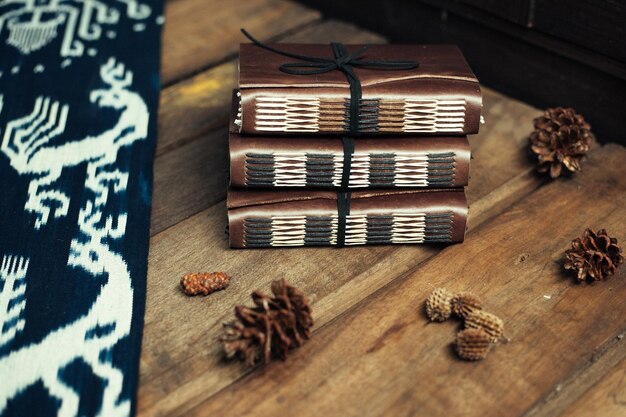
<point>27,140</point>
<point>92,336</point>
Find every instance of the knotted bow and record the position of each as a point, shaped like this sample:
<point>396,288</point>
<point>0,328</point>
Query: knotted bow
<point>343,62</point>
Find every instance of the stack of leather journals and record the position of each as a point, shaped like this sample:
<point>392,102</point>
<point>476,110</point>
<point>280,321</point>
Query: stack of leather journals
<point>303,174</point>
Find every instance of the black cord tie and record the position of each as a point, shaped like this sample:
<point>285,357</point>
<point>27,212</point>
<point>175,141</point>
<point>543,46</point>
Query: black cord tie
<point>344,62</point>
<point>348,151</point>
<point>343,210</point>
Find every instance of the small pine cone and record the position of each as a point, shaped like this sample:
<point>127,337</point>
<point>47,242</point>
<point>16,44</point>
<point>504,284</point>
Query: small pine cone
<point>490,323</point>
<point>473,344</point>
<point>268,330</point>
<point>561,138</point>
<point>594,256</point>
<point>205,283</point>
<point>465,303</point>
<point>438,305</point>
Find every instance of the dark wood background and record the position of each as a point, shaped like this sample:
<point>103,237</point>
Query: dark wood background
<point>544,52</point>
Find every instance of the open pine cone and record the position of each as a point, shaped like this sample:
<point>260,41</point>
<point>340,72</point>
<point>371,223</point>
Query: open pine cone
<point>271,328</point>
<point>561,138</point>
<point>595,256</point>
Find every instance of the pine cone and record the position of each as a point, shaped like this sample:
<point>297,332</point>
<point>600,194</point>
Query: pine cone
<point>490,323</point>
<point>271,328</point>
<point>438,305</point>
<point>594,256</point>
<point>205,283</point>
<point>473,344</point>
<point>465,303</point>
<point>562,137</point>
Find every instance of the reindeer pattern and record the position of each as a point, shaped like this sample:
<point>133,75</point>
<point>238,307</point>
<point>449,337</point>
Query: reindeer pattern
<point>28,142</point>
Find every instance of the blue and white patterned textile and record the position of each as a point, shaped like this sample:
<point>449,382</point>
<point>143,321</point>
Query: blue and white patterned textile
<point>79,85</point>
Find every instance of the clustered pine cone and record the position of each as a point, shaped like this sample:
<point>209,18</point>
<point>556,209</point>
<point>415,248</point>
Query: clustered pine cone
<point>473,344</point>
<point>561,138</point>
<point>482,329</point>
<point>463,304</point>
<point>438,306</point>
<point>275,325</point>
<point>594,256</point>
<point>491,324</point>
<point>205,283</point>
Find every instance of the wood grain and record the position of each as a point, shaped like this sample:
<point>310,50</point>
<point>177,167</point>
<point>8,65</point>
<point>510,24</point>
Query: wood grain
<point>606,399</point>
<point>571,392</point>
<point>189,179</point>
<point>199,33</point>
<point>596,25</point>
<point>382,358</point>
<point>517,11</point>
<point>175,378</point>
<point>372,352</point>
<point>195,107</point>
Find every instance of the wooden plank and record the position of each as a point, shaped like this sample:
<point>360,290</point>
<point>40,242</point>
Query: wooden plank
<point>517,11</point>
<point>181,360</point>
<point>175,376</point>
<point>606,399</point>
<point>200,33</point>
<point>580,383</point>
<point>382,358</point>
<point>497,154</point>
<point>189,179</point>
<point>196,106</point>
<point>597,25</point>
<point>202,103</point>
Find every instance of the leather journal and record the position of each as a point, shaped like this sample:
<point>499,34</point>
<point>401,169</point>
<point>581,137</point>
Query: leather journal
<point>440,96</point>
<point>262,218</point>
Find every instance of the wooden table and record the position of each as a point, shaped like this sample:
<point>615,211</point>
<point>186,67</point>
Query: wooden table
<point>372,351</point>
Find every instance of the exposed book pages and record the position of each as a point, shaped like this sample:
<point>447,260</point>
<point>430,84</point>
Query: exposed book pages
<point>441,96</point>
<point>260,219</point>
<point>318,162</point>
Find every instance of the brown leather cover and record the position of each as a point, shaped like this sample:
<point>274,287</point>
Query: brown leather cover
<point>265,204</point>
<point>443,74</point>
